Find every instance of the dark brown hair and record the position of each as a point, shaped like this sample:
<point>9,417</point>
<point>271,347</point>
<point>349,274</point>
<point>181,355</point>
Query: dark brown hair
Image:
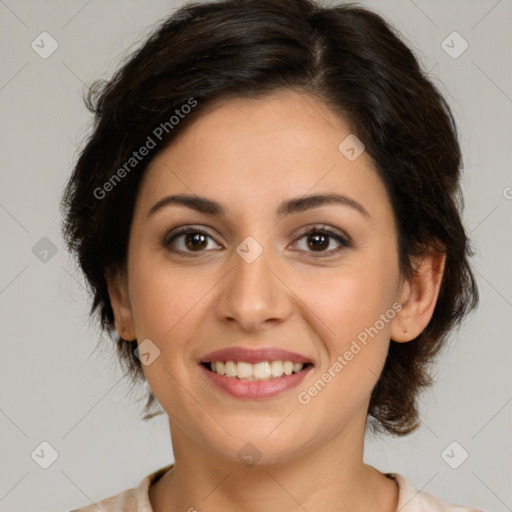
<point>346,56</point>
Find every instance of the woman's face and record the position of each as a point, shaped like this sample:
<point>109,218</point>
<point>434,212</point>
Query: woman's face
<point>268,273</point>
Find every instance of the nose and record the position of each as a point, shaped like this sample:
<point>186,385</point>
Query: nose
<point>254,293</point>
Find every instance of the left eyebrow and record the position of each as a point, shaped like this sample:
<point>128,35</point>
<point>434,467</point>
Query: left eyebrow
<point>301,204</point>
<point>294,205</point>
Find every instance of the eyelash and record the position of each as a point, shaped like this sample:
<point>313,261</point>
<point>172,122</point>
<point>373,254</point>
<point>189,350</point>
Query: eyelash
<point>343,241</point>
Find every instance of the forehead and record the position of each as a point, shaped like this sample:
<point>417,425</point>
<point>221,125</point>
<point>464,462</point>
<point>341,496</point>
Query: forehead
<point>255,152</point>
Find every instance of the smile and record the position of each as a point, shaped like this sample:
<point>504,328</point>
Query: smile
<point>260,371</point>
<point>255,381</point>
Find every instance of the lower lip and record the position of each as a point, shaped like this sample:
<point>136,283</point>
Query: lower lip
<point>256,389</point>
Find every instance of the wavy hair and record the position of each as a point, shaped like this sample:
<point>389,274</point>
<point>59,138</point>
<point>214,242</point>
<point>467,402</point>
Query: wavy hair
<point>346,56</point>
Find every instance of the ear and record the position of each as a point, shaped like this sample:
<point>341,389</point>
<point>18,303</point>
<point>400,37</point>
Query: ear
<point>418,297</point>
<point>117,284</point>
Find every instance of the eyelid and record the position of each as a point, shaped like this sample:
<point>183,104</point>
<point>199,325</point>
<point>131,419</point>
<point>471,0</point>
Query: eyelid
<point>334,233</point>
<point>324,228</point>
<point>183,230</point>
<point>344,241</point>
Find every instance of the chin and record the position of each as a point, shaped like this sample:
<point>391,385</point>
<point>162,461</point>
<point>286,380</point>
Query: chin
<point>254,447</point>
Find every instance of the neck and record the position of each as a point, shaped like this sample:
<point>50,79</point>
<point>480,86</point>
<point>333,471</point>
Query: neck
<point>328,477</point>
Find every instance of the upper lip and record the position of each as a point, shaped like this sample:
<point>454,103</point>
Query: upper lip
<point>253,355</point>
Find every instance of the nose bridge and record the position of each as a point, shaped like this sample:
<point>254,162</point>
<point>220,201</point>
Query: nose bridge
<point>253,294</point>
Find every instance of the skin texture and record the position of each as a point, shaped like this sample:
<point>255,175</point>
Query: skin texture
<point>250,155</point>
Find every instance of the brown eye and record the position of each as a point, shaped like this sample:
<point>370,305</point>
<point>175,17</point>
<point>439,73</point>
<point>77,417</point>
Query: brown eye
<point>187,240</point>
<point>319,241</point>
<point>195,241</point>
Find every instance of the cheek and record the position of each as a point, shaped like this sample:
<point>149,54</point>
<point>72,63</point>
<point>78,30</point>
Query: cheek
<point>162,298</point>
<point>356,345</point>
<point>353,313</point>
<point>350,300</point>
<point>166,306</point>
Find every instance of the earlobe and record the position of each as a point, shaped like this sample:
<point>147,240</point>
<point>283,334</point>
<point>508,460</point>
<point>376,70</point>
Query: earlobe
<point>118,292</point>
<point>418,297</point>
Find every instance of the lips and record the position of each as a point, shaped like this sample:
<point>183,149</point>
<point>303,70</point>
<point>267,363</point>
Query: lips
<point>255,373</point>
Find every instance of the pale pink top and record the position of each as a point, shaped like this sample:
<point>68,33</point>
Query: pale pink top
<point>137,499</point>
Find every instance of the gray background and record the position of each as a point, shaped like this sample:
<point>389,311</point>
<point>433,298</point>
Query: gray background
<point>56,388</point>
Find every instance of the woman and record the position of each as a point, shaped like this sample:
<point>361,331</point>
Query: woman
<point>267,214</point>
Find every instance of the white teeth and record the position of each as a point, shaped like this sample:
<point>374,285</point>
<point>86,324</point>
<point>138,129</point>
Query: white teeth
<point>288,368</point>
<point>243,370</point>
<point>276,367</point>
<point>263,370</point>
<point>230,369</point>
<point>219,367</point>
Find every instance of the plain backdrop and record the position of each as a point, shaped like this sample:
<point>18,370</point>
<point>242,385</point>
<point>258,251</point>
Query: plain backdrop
<point>56,389</point>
